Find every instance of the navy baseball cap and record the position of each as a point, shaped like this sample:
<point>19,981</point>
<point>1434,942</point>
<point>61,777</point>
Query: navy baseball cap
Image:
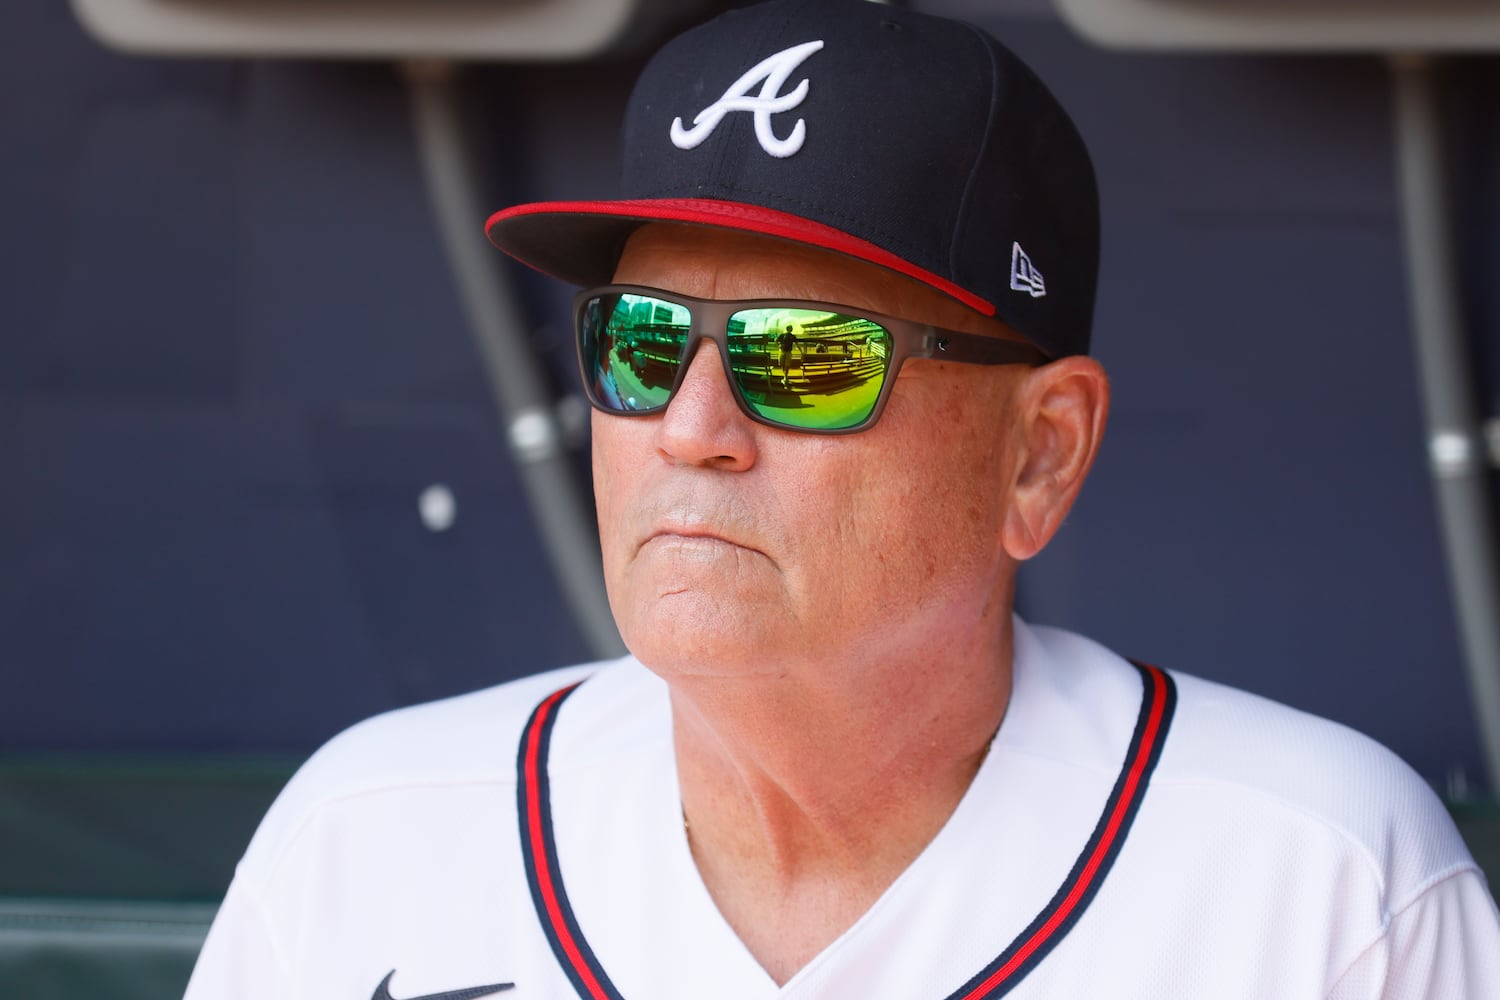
<point>917,143</point>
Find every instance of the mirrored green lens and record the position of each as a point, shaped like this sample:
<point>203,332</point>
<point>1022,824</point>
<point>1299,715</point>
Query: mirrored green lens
<point>807,368</point>
<point>631,346</point>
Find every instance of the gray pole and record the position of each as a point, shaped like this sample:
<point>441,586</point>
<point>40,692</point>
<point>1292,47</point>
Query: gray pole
<point>503,339</point>
<point>1455,437</point>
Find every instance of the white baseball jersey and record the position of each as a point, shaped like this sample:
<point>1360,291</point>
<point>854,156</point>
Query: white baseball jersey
<point>1131,834</point>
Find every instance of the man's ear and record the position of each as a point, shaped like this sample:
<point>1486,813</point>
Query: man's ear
<point>1061,409</point>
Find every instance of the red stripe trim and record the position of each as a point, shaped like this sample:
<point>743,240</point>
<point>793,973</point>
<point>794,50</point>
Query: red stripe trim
<point>539,847</point>
<point>592,984</point>
<point>1117,816</point>
<point>746,218</point>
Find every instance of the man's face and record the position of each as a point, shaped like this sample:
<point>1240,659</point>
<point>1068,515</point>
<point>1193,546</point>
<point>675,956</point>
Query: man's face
<point>733,548</point>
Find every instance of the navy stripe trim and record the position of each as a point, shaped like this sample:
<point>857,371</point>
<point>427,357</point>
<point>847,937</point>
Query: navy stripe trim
<point>539,850</point>
<point>1078,890</point>
<point>1052,924</point>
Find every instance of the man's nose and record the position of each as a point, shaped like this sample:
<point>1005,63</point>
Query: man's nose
<point>703,425</point>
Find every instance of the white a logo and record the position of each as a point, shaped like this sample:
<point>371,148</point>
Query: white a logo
<point>1024,277</point>
<point>771,73</point>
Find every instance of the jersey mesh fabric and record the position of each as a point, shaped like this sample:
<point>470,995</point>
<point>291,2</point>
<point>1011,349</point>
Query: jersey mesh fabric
<point>1274,855</point>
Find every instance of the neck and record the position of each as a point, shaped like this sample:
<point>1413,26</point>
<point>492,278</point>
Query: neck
<point>806,797</point>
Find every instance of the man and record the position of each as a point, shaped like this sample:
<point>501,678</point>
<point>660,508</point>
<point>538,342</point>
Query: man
<point>835,765</point>
<point>786,342</point>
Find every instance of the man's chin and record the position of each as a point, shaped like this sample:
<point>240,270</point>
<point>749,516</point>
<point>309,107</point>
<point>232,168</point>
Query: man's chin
<point>694,634</point>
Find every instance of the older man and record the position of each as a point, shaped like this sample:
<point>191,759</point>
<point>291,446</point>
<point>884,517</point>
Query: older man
<point>835,765</point>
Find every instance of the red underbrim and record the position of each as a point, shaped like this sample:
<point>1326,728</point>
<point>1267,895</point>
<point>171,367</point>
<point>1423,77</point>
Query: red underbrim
<point>580,241</point>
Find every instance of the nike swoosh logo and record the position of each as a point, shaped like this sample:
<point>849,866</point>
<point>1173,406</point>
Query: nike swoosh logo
<point>383,991</point>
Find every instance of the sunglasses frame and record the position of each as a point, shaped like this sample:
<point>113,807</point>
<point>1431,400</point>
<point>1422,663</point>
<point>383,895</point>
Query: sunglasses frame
<point>710,321</point>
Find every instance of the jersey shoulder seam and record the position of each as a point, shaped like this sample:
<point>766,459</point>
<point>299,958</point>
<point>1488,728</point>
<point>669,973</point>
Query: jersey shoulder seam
<point>1389,914</point>
<point>1317,817</point>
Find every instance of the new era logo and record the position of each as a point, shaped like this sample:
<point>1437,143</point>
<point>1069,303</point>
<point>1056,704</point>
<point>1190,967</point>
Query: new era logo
<point>1024,277</point>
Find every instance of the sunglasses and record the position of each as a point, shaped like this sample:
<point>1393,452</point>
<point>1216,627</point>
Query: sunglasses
<point>804,366</point>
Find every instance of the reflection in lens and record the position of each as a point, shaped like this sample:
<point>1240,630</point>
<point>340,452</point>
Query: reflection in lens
<point>808,368</point>
<point>631,347</point>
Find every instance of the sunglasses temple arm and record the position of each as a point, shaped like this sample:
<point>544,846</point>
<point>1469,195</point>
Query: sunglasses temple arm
<point>976,350</point>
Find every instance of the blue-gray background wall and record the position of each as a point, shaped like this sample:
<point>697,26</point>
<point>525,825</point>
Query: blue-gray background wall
<point>232,357</point>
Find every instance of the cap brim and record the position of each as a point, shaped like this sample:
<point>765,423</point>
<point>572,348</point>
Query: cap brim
<point>580,241</point>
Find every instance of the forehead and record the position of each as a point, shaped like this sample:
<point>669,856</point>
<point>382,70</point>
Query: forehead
<point>724,264</point>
